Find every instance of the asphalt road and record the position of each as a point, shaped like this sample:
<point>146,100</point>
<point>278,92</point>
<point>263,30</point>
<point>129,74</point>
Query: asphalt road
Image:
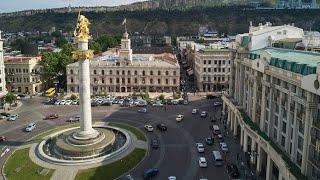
<point>177,154</point>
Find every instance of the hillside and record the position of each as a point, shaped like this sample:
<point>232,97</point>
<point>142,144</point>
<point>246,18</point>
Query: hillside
<point>231,20</point>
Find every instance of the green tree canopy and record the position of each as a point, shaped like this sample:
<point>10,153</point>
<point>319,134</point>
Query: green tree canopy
<point>68,49</point>
<point>96,47</point>
<point>10,98</point>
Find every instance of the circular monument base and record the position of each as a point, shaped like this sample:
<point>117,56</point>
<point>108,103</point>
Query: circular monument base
<point>68,147</point>
<point>62,148</point>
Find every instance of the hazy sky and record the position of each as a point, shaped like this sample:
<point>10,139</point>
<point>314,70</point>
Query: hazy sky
<point>17,5</point>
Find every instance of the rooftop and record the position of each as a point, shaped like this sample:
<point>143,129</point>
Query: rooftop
<point>210,50</point>
<point>302,62</point>
<point>20,59</point>
<point>302,57</point>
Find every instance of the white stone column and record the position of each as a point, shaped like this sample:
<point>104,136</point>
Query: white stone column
<point>245,142</point>
<point>259,159</point>
<point>229,116</point>
<point>253,151</point>
<point>269,168</point>
<point>241,137</point>
<point>86,130</point>
<point>235,124</point>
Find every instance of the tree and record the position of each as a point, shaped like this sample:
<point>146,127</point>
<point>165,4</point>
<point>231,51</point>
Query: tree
<point>107,41</point>
<point>161,97</point>
<point>96,47</point>
<point>61,41</point>
<point>73,97</point>
<point>67,49</point>
<point>54,67</point>
<point>10,98</point>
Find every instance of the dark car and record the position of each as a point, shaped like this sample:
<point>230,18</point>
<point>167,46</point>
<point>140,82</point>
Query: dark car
<point>5,114</point>
<point>149,173</point>
<point>209,141</point>
<point>233,171</point>
<point>93,104</point>
<point>155,144</point>
<point>162,127</point>
<point>2,138</point>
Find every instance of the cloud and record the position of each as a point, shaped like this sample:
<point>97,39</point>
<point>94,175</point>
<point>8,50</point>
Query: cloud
<point>18,5</point>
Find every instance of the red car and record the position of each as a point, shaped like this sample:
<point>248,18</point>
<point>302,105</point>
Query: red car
<point>2,138</point>
<point>52,116</point>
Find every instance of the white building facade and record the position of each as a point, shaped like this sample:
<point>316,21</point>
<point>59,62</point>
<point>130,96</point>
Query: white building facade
<point>127,72</point>
<point>273,105</point>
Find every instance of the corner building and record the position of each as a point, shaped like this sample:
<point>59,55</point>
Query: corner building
<point>273,105</point>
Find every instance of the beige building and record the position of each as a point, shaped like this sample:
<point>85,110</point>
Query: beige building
<point>212,69</point>
<point>274,104</point>
<point>23,74</point>
<point>122,71</point>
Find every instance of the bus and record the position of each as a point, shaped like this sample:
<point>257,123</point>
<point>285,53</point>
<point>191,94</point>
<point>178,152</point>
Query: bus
<point>50,92</point>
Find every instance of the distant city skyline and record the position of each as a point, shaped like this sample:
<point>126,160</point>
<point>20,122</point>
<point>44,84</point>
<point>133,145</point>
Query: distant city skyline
<point>20,5</point>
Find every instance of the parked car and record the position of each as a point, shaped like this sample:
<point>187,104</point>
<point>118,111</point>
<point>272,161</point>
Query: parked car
<point>148,127</point>
<point>149,173</point>
<point>142,110</point>
<point>185,102</point>
<point>57,102</point>
<point>200,147</point>
<point>13,117</point>
<point>203,114</point>
<point>75,102</point>
<point>162,127</point>
<point>209,141</point>
<point>68,102</point>
<point>233,171</point>
<point>63,102</point>
<point>179,118</point>
<point>74,119</point>
<point>5,114</point>
<point>158,103</point>
<point>3,138</point>
<point>224,147</point>
<point>194,111</point>
<point>175,102</point>
<point>202,162</point>
<point>155,143</point>
<point>220,138</point>
<point>216,104</point>
<point>52,116</point>
<point>31,127</point>
<point>172,178</point>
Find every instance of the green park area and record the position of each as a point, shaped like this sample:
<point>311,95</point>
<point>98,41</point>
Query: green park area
<point>135,131</point>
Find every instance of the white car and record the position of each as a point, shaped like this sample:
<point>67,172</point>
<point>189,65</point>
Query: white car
<point>175,102</point>
<point>200,147</point>
<point>142,110</point>
<point>158,103</point>
<point>217,103</point>
<point>30,127</point>
<point>172,178</point>
<point>63,102</point>
<point>224,147</point>
<point>179,118</point>
<point>75,102</point>
<point>13,117</point>
<point>74,119</point>
<point>202,162</point>
<point>203,114</point>
<point>57,102</point>
<point>194,111</point>
<point>68,102</point>
<point>148,127</point>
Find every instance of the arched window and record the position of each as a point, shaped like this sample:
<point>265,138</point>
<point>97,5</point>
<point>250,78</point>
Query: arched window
<point>167,73</point>
<point>110,72</point>
<point>151,73</point>
<point>159,73</point>
<point>143,73</point>
<point>135,72</point>
<point>135,80</point>
<point>151,81</point>
<point>129,73</point>
<point>94,71</point>
<point>118,72</point>
<point>174,73</point>
<point>71,71</point>
<point>123,73</point>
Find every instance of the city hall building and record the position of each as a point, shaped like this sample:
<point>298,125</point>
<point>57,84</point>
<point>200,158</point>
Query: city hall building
<point>119,70</point>
<point>273,106</point>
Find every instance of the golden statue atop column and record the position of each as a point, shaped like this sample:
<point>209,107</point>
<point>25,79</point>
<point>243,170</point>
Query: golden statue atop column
<point>82,34</point>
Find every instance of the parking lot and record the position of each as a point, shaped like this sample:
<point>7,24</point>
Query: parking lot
<point>177,154</point>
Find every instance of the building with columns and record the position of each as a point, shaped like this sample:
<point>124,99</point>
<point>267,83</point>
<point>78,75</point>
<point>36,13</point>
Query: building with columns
<point>3,89</point>
<point>273,105</point>
<point>118,70</point>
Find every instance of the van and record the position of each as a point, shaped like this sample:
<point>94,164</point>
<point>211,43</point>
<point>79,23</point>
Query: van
<point>216,129</point>
<point>217,158</point>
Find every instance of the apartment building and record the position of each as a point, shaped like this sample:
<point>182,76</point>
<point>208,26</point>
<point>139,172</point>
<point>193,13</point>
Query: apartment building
<point>273,105</point>
<point>211,69</point>
<point>23,74</point>
<point>123,71</point>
